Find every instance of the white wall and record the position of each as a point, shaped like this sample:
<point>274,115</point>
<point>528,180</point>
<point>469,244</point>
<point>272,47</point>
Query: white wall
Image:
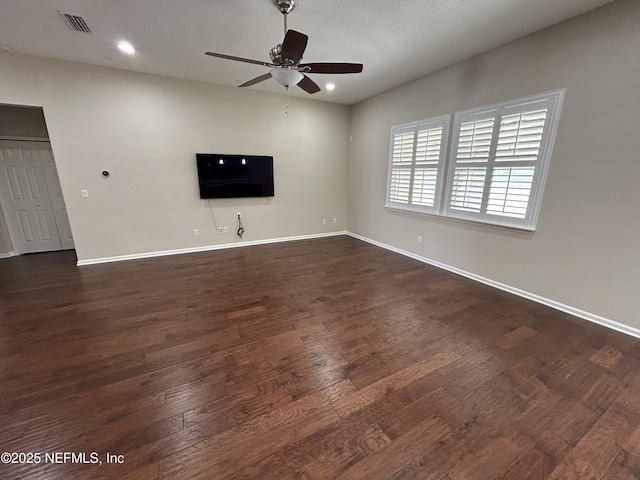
<point>586,250</point>
<point>146,129</point>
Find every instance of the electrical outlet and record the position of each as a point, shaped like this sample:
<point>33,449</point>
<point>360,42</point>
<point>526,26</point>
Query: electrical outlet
<point>84,193</point>
<point>324,221</point>
<point>238,215</point>
<point>335,220</point>
<point>419,239</point>
<point>196,232</point>
<point>219,229</point>
<point>225,229</point>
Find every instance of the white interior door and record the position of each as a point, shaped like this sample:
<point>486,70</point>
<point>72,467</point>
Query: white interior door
<point>57,200</point>
<point>32,198</point>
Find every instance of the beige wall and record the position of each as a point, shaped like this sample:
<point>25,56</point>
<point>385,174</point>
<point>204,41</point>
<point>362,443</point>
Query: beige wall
<point>145,130</point>
<point>586,251</point>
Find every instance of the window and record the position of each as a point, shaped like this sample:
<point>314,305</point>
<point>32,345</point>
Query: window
<point>499,160</point>
<point>416,164</point>
<point>497,165</point>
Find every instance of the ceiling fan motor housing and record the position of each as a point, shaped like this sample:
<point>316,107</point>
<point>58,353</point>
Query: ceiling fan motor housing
<point>276,54</point>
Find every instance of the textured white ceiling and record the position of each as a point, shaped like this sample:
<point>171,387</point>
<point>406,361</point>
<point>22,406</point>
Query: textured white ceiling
<point>397,41</point>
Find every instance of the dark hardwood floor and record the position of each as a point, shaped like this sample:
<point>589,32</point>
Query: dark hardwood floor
<point>317,359</point>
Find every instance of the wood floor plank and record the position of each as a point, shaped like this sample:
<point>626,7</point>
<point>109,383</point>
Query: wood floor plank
<point>487,462</point>
<point>373,392</point>
<point>626,465</point>
<point>385,462</point>
<point>319,359</point>
<point>323,454</point>
<point>239,446</point>
<point>538,462</point>
<point>595,452</point>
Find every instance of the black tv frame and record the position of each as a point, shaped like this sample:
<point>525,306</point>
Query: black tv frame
<point>234,176</point>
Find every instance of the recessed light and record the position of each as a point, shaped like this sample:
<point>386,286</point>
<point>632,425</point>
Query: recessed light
<point>330,86</point>
<point>127,48</point>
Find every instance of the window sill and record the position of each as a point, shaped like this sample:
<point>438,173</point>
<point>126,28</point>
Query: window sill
<point>498,226</point>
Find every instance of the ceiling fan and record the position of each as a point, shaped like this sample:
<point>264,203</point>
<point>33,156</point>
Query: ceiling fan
<point>286,57</point>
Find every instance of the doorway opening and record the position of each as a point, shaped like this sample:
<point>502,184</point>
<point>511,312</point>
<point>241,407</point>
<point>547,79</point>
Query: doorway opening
<point>33,215</point>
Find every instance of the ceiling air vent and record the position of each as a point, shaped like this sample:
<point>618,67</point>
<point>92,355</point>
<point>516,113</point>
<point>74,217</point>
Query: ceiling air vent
<point>75,22</point>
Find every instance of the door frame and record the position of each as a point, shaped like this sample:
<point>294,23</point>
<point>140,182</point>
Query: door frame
<point>10,229</point>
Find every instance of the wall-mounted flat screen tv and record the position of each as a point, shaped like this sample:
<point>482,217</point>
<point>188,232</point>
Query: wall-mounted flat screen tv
<point>232,176</point>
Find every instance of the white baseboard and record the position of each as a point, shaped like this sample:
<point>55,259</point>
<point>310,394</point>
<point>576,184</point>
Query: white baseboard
<point>9,255</point>
<point>139,256</point>
<point>591,317</point>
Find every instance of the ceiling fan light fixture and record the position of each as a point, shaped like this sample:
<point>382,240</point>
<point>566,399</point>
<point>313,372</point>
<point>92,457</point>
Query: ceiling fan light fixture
<point>287,77</point>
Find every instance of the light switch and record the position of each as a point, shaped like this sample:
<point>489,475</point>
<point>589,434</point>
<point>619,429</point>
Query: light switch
<point>84,193</point>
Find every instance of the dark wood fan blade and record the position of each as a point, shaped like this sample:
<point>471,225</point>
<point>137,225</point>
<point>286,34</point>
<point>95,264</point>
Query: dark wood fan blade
<point>293,46</point>
<point>259,79</point>
<point>332,67</point>
<point>309,85</point>
<point>239,59</point>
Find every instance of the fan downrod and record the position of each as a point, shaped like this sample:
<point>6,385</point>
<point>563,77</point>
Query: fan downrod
<point>285,6</point>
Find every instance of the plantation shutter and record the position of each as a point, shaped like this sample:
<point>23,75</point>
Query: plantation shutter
<point>497,160</point>
<point>471,163</point>
<point>401,163</point>
<point>517,153</point>
<point>427,166</point>
<point>416,164</point>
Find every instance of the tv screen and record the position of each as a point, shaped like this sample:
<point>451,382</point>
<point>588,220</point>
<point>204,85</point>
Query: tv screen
<point>232,176</point>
